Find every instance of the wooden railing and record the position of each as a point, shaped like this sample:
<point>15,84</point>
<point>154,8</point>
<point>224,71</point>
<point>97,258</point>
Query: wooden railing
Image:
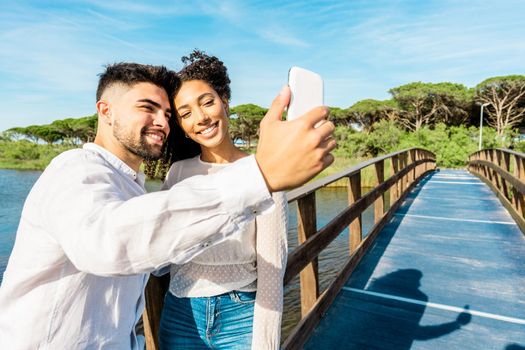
<point>504,171</point>
<point>406,168</point>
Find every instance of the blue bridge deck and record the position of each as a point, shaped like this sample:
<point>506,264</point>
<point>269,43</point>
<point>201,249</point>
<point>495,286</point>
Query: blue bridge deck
<point>447,272</point>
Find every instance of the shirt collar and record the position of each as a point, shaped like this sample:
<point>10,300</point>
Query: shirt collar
<point>139,177</point>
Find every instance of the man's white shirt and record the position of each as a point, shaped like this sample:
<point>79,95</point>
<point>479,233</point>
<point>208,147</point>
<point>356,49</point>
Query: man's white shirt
<point>89,236</point>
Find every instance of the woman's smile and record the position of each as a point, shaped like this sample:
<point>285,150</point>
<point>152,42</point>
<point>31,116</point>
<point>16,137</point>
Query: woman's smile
<point>210,131</point>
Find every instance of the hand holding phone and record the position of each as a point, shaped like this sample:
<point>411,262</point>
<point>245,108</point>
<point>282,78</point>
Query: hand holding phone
<point>307,92</point>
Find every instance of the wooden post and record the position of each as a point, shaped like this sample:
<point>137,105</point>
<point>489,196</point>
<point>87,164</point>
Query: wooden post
<point>309,276</point>
<point>379,204</point>
<point>412,160</point>
<point>505,165</point>
<point>493,160</point>
<point>404,179</point>
<point>356,226</point>
<point>478,156</point>
<point>416,169</point>
<point>497,176</point>
<point>419,156</point>
<point>394,189</point>
<point>483,156</point>
<point>519,172</point>
<point>154,297</point>
<point>489,159</point>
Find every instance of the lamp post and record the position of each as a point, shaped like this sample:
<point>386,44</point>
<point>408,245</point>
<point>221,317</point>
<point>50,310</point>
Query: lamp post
<point>481,124</point>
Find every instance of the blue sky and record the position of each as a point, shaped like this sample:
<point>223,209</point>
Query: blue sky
<point>52,51</point>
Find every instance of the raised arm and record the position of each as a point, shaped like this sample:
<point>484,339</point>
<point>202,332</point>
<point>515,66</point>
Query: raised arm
<point>104,233</point>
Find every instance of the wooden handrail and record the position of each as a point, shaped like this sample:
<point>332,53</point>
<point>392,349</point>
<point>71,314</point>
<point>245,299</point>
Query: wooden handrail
<point>493,166</point>
<point>407,168</point>
<point>315,185</point>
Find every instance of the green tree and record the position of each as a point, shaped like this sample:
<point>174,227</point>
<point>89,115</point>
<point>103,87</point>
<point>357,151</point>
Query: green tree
<point>428,103</point>
<point>369,111</point>
<point>22,150</point>
<point>364,113</point>
<point>454,101</point>
<point>248,118</point>
<point>14,134</point>
<point>340,116</point>
<point>47,133</point>
<point>350,143</point>
<point>384,138</point>
<point>85,128</point>
<point>504,97</point>
<point>77,130</point>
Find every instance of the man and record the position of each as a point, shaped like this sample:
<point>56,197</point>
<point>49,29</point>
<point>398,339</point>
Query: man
<point>89,234</point>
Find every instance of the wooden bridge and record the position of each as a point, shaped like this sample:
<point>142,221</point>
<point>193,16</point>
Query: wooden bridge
<point>442,267</point>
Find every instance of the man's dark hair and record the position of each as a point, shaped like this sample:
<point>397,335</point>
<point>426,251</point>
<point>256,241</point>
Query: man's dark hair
<point>130,74</point>
<point>199,66</point>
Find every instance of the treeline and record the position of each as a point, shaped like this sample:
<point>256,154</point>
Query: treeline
<point>416,105</point>
<point>416,112</point>
<point>71,131</point>
<point>34,146</point>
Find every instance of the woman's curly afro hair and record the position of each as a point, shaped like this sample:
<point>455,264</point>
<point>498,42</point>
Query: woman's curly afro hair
<point>199,66</point>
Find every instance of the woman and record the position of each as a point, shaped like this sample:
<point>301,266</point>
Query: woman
<point>215,300</point>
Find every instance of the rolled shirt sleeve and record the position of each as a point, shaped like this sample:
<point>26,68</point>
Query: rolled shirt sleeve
<point>106,230</point>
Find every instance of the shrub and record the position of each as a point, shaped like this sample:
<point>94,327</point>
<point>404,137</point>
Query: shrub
<point>451,144</point>
<point>21,150</point>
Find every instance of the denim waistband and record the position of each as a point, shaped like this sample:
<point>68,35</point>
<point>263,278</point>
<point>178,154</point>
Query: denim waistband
<point>235,295</point>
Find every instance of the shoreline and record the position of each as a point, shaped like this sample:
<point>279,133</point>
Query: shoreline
<point>367,177</point>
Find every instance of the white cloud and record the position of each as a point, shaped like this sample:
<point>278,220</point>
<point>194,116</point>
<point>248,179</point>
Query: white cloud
<point>282,37</point>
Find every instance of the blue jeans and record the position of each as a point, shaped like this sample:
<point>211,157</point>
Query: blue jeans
<point>221,322</point>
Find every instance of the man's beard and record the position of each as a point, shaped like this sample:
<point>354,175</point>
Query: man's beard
<point>139,147</point>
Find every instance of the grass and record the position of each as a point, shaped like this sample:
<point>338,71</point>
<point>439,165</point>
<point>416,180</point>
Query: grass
<point>28,156</point>
<point>22,165</point>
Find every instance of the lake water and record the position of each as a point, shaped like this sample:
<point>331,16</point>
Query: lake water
<point>15,185</point>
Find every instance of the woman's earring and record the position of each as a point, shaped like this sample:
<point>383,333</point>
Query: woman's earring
<point>186,135</point>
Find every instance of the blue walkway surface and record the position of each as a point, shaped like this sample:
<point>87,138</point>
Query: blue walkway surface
<point>447,272</point>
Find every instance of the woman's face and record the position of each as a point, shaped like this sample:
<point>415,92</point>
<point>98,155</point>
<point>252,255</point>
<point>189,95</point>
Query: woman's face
<point>201,113</point>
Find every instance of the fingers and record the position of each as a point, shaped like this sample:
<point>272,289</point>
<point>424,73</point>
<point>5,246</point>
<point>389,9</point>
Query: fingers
<point>278,105</point>
<point>327,160</point>
<point>328,144</point>
<point>326,129</point>
<point>316,115</point>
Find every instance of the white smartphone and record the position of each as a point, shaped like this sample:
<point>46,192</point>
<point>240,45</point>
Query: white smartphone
<point>307,91</point>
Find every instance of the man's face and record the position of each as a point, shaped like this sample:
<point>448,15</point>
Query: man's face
<point>140,120</point>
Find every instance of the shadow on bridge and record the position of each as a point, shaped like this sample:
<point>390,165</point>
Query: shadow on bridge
<point>378,322</point>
